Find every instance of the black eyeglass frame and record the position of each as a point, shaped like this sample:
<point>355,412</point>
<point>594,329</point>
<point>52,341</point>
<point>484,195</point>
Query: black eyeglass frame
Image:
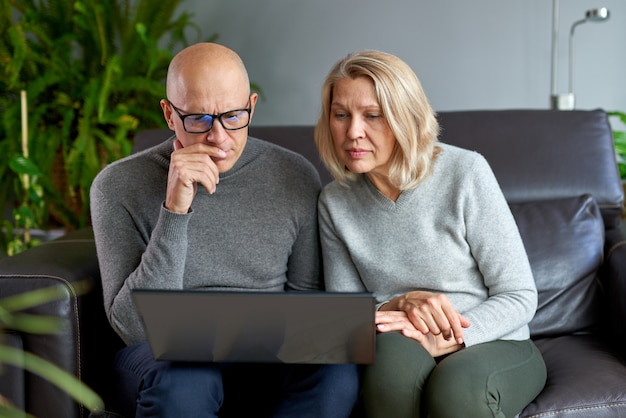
<point>213,118</point>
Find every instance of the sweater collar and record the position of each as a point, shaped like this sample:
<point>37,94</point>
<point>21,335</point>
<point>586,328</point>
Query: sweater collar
<point>380,198</point>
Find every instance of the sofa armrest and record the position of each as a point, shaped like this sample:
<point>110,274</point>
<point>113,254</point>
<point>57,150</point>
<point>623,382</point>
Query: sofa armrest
<point>614,283</point>
<point>66,261</point>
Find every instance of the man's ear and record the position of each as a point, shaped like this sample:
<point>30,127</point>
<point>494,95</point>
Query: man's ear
<point>168,114</point>
<point>253,99</point>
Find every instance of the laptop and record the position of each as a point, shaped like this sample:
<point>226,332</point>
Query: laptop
<point>263,327</point>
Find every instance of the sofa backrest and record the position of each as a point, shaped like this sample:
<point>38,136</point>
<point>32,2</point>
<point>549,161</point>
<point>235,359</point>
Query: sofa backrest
<point>543,154</point>
<point>535,154</point>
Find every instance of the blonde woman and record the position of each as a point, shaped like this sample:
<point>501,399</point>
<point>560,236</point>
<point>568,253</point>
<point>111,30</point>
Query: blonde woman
<point>425,227</point>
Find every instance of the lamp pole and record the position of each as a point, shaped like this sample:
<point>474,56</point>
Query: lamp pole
<point>592,15</point>
<point>555,50</point>
<point>567,101</point>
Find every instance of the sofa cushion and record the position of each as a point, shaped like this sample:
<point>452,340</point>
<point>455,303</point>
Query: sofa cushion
<point>585,379</point>
<point>564,240</point>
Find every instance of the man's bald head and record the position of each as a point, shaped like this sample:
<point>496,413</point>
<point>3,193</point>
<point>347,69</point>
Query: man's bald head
<point>207,80</point>
<point>205,66</point>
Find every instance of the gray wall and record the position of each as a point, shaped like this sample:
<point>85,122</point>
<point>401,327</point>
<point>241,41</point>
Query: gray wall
<point>481,54</point>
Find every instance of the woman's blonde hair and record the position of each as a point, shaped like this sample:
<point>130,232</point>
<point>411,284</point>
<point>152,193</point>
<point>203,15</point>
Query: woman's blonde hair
<point>405,108</point>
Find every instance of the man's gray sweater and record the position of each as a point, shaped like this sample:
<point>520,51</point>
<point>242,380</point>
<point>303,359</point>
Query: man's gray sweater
<point>258,231</point>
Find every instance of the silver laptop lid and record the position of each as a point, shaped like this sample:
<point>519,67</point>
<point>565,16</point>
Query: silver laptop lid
<point>284,327</point>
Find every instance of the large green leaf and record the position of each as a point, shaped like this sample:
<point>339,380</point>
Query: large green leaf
<point>30,299</point>
<point>8,410</point>
<point>54,374</point>
<point>22,165</point>
<point>621,115</point>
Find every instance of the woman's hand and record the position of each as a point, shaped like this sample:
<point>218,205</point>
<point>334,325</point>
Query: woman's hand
<point>436,345</point>
<point>430,313</point>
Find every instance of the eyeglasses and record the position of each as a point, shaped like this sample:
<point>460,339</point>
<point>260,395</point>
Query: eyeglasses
<point>198,123</point>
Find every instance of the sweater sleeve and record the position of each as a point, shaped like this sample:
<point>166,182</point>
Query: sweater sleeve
<point>304,264</point>
<point>497,247</point>
<point>129,258</point>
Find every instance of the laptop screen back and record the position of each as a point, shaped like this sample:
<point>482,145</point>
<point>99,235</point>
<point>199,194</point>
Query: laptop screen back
<point>285,327</point>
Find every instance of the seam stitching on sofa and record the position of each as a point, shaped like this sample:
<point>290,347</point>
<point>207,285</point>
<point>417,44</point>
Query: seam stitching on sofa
<point>611,206</point>
<point>580,408</point>
<point>43,276</point>
<point>68,241</point>
<point>614,247</point>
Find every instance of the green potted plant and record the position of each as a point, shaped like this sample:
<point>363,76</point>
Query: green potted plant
<point>27,215</point>
<point>619,139</point>
<point>93,72</point>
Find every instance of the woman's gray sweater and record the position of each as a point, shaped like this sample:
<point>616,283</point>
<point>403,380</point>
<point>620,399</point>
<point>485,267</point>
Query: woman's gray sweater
<point>453,234</point>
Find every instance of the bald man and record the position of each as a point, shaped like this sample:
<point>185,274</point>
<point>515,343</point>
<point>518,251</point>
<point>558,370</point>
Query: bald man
<point>211,208</point>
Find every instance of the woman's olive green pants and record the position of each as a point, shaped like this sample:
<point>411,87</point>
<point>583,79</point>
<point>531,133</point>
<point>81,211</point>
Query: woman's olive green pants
<point>494,379</point>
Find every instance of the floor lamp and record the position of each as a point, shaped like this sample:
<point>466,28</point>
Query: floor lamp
<point>567,101</point>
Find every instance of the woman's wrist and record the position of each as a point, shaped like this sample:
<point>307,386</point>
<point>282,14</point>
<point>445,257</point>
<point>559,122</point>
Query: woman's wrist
<point>380,305</point>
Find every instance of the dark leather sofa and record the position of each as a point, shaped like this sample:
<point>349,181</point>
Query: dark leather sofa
<point>557,170</point>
